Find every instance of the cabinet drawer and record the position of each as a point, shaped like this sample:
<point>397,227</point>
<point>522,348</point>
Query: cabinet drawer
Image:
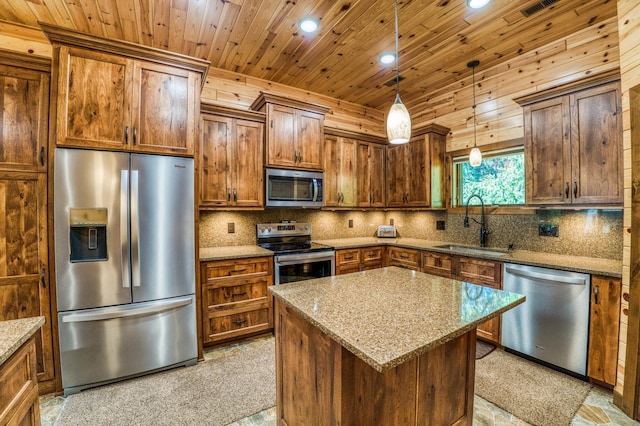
<point>478,271</point>
<point>405,258</point>
<point>437,264</point>
<point>372,255</point>
<point>223,269</point>
<point>347,269</point>
<point>237,322</point>
<point>349,256</point>
<point>231,292</point>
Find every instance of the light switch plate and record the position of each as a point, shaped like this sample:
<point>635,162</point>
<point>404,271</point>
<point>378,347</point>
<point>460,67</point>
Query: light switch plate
<point>231,228</point>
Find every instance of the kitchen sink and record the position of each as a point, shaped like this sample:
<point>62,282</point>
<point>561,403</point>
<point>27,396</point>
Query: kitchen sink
<point>471,250</point>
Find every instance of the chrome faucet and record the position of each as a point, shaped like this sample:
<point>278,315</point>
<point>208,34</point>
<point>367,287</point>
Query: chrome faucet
<point>483,229</point>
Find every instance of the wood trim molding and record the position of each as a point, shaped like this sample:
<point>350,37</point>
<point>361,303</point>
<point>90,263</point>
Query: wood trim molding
<point>232,112</point>
<point>565,89</point>
<point>23,60</point>
<point>512,143</point>
<point>65,36</point>
<point>355,135</point>
<point>430,128</point>
<point>272,98</point>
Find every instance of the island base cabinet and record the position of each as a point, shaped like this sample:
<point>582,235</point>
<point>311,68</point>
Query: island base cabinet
<point>319,382</point>
<point>19,391</point>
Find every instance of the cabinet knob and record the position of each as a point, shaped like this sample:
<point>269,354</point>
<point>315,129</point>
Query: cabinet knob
<point>126,135</point>
<point>42,155</point>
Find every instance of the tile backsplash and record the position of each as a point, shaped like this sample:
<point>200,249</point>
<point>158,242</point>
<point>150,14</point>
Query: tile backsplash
<point>594,233</point>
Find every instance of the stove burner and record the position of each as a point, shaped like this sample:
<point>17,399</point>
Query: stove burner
<point>287,238</point>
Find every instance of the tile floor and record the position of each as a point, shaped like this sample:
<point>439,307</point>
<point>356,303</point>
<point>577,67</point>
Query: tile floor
<point>597,409</point>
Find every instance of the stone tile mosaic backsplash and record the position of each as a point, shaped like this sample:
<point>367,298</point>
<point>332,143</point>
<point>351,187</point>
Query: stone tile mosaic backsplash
<point>594,233</point>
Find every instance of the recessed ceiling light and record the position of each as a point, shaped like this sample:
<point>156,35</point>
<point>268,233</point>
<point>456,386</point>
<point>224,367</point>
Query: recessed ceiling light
<point>387,58</point>
<point>309,24</point>
<point>477,4</point>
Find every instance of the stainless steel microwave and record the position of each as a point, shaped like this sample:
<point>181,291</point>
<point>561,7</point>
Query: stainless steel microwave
<point>294,188</point>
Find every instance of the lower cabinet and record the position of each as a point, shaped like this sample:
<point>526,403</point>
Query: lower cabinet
<point>604,327</point>
<point>19,404</point>
<point>235,298</point>
<point>403,257</point>
<point>358,259</point>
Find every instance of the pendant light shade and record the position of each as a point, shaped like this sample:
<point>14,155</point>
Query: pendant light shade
<point>398,119</point>
<point>475,156</point>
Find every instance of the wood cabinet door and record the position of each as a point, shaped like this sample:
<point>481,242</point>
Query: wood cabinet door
<point>24,112</point>
<point>418,177</point>
<point>24,286</point>
<point>596,145</point>
<point>364,175</point>
<point>309,135</point>
<point>331,171</point>
<point>377,174</point>
<point>348,178</point>
<point>604,326</point>
<point>547,152</point>
<point>164,109</point>
<point>281,145</point>
<point>396,171</point>
<point>215,161</point>
<point>247,173</point>
<point>93,100</point>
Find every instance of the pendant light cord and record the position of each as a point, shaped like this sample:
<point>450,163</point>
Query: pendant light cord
<point>395,8</point>
<point>473,73</point>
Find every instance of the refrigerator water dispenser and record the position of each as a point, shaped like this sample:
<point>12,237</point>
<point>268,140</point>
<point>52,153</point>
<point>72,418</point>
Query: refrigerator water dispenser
<point>88,235</point>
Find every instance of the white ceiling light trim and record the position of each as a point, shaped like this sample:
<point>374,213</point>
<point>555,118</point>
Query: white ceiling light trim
<point>309,24</point>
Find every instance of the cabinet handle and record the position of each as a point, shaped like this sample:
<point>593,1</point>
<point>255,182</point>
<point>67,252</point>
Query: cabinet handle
<point>404,256</point>
<point>596,293</point>
<point>135,134</point>
<point>372,254</point>
<point>228,194</point>
<point>575,189</point>
<point>239,270</point>
<point>566,189</point>
<point>240,322</point>
<point>43,282</point>
<point>272,124</point>
<point>126,135</point>
<point>348,257</point>
<point>300,156</point>
<point>242,293</point>
<point>42,155</point>
<point>235,194</point>
<point>370,198</point>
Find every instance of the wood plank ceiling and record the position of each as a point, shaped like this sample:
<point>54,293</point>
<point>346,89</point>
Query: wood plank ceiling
<point>260,37</point>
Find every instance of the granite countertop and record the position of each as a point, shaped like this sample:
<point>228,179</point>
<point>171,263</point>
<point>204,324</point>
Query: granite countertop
<point>589,265</point>
<point>14,333</point>
<point>390,315</point>
<point>232,252</point>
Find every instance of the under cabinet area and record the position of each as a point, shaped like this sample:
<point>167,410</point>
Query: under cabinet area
<point>359,259</point>
<point>132,100</point>
<point>235,298</point>
<point>230,155</point>
<point>295,131</point>
<point>573,143</point>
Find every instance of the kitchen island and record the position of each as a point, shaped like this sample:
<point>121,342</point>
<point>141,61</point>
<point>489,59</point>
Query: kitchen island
<point>382,347</point>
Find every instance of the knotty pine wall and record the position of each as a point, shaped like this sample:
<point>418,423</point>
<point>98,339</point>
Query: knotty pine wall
<point>629,35</point>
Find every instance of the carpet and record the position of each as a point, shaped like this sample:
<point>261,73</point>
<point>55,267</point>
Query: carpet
<point>215,392</point>
<point>529,391</point>
<point>483,349</point>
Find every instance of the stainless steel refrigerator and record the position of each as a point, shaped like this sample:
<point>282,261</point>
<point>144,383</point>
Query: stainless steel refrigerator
<point>125,265</point>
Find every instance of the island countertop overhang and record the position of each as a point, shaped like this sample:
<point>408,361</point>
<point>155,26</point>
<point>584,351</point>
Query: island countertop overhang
<point>388,316</point>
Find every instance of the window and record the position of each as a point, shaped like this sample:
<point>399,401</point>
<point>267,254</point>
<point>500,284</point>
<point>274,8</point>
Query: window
<point>499,180</point>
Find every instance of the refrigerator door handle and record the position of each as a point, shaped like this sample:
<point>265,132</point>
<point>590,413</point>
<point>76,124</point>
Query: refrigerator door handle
<point>135,242</point>
<point>111,313</point>
<point>124,231</point>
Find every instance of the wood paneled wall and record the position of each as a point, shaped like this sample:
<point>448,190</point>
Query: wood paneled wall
<point>626,391</point>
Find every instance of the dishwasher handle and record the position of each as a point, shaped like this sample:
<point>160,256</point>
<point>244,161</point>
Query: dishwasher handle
<point>548,278</point>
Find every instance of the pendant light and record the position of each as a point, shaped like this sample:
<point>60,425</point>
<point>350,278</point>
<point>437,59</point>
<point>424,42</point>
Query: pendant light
<point>475,156</point>
<point>398,120</point>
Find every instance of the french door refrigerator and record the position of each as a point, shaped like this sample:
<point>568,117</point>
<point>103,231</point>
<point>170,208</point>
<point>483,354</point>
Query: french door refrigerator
<point>125,265</point>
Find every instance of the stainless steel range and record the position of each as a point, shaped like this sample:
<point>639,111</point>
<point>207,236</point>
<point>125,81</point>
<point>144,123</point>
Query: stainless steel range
<point>296,257</point>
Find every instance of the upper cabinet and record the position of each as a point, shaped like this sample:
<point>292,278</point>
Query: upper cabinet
<point>120,96</point>
<point>230,158</point>
<point>371,160</point>
<point>295,131</point>
<point>573,143</point>
<point>24,112</point>
<point>416,170</point>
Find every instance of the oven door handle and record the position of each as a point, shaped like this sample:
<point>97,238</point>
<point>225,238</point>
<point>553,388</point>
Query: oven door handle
<point>288,259</point>
<point>315,190</point>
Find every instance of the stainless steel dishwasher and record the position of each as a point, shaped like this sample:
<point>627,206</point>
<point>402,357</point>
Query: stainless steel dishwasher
<point>552,325</point>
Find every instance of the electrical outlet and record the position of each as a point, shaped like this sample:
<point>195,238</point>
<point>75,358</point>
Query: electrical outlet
<point>391,221</point>
<point>440,225</point>
<point>231,228</point>
<point>350,223</point>
<point>546,230</point>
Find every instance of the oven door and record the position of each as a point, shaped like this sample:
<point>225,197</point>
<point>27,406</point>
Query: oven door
<point>304,266</point>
